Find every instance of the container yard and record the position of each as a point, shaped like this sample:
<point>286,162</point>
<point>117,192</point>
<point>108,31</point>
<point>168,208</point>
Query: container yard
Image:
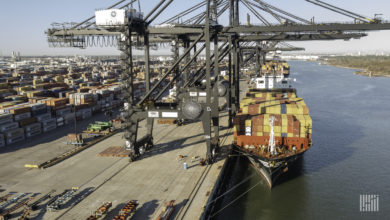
<point>39,108</point>
<point>191,188</point>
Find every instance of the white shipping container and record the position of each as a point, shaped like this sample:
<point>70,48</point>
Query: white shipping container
<point>9,126</point>
<point>6,110</point>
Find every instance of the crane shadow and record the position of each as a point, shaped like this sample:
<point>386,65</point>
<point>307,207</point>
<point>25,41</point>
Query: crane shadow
<point>147,210</point>
<point>113,212</point>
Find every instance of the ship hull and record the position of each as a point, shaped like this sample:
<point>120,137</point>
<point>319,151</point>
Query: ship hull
<point>273,174</point>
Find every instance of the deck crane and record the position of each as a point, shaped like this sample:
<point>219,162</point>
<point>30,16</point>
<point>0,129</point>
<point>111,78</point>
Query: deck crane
<point>196,33</point>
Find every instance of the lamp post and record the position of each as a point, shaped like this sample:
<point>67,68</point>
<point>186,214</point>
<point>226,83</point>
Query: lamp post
<point>74,108</point>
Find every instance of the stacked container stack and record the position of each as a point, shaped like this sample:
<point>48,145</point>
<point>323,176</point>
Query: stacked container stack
<point>14,135</point>
<point>6,123</point>
<point>292,123</point>
<point>276,67</point>
<point>49,125</point>
<point>83,103</point>
<point>42,113</point>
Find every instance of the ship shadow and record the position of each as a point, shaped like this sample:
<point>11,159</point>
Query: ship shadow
<point>232,189</point>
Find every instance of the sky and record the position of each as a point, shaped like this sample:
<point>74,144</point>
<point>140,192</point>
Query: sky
<point>23,23</point>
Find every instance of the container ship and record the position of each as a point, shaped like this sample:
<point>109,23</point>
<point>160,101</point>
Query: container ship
<point>273,127</point>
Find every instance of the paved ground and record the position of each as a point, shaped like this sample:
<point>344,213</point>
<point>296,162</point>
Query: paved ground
<point>36,150</point>
<point>158,177</point>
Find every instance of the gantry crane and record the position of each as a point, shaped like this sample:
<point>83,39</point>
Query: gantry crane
<point>200,87</point>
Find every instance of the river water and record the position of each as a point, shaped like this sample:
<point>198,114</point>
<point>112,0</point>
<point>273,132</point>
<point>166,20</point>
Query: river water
<point>350,154</point>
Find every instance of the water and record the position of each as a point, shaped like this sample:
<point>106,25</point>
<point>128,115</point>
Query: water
<point>350,154</point>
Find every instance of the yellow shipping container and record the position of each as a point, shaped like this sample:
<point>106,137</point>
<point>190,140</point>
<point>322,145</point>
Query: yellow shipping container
<point>266,119</point>
<point>308,119</point>
<point>278,109</point>
<point>245,110</point>
<point>284,120</point>
<point>277,129</point>
<point>259,134</point>
<point>267,128</point>
<point>248,123</point>
<point>284,129</point>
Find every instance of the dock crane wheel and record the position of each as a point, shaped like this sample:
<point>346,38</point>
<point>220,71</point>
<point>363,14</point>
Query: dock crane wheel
<point>149,144</point>
<point>132,157</point>
<point>180,122</point>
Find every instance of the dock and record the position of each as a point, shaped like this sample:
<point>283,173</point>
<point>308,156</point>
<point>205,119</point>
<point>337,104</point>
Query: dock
<point>157,177</point>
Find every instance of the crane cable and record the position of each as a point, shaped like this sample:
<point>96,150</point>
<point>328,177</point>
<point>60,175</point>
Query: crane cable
<point>243,181</point>
<point>238,197</point>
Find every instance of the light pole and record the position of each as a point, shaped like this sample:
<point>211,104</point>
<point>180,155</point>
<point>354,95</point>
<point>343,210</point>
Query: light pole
<point>74,108</point>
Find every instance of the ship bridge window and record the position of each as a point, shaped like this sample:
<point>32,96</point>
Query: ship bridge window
<point>261,81</point>
<point>284,82</point>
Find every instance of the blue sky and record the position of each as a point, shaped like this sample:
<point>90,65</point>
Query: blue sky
<point>24,22</point>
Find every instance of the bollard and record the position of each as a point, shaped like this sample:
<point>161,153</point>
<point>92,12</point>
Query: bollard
<point>185,166</point>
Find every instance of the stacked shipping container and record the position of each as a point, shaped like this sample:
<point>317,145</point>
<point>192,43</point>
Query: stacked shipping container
<point>24,120</point>
<point>292,121</point>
